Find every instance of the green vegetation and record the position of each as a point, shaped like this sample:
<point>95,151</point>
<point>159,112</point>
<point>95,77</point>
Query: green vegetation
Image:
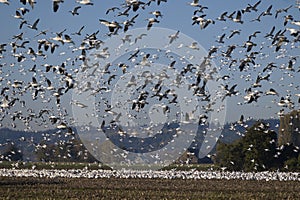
<point>290,128</point>
<point>258,150</point>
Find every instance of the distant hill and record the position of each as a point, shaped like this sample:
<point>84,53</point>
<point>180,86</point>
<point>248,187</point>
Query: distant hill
<point>27,141</point>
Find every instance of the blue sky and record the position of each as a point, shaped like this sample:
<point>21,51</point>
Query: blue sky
<point>177,15</point>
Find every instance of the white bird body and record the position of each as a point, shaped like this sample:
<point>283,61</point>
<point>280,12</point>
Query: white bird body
<point>85,2</point>
<point>5,2</point>
<point>295,23</point>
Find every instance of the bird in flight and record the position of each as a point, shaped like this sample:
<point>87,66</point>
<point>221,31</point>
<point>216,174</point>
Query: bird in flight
<point>112,26</point>
<point>75,10</point>
<point>34,25</point>
<point>56,4</point>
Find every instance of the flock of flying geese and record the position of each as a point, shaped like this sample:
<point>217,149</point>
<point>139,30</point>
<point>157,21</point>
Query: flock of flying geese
<point>46,88</point>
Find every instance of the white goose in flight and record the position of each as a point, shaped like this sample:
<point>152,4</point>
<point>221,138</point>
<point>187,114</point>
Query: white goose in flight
<point>85,2</point>
<point>4,2</point>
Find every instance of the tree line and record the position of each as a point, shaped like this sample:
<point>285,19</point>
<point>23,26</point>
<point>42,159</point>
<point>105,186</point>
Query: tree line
<point>262,149</point>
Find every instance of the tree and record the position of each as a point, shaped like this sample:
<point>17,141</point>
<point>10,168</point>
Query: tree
<point>289,129</point>
<point>259,147</point>
<point>287,154</point>
<point>255,151</point>
<point>230,156</point>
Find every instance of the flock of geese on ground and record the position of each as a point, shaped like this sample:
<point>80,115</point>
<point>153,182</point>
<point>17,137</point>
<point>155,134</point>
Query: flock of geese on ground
<point>50,82</point>
<point>150,174</point>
